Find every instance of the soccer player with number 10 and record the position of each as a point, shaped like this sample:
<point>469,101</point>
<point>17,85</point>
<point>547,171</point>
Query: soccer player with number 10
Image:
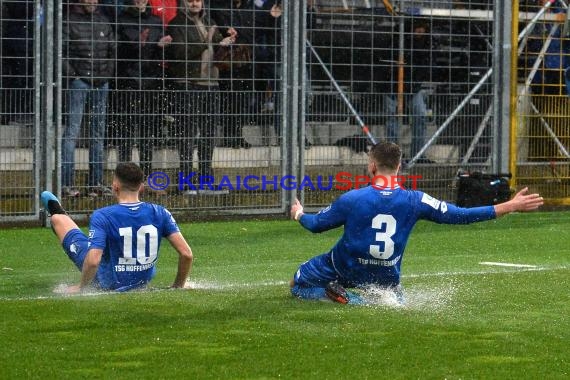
<point>122,248</point>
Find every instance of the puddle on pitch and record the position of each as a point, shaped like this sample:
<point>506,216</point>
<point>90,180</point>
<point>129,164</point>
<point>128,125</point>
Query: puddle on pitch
<point>424,297</point>
<point>421,297</point>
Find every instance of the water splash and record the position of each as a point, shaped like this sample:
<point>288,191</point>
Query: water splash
<point>423,297</point>
<point>60,288</point>
<point>434,297</point>
<point>207,285</point>
<point>380,296</point>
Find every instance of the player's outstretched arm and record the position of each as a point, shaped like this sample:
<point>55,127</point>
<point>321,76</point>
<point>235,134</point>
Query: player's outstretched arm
<point>185,258</point>
<point>520,202</point>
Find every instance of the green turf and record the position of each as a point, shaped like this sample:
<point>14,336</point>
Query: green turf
<point>464,320</point>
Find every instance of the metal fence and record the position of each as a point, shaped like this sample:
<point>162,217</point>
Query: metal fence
<point>542,135</point>
<point>407,70</point>
<point>19,110</point>
<point>245,128</point>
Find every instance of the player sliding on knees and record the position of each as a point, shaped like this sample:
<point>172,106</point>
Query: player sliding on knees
<point>122,249</point>
<point>377,224</point>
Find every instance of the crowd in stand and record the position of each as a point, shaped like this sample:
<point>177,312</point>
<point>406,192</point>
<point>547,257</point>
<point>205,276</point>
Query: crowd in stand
<point>165,59</point>
<point>16,51</point>
<point>130,66</point>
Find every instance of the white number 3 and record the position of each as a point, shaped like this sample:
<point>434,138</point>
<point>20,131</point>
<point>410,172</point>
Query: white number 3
<point>387,226</point>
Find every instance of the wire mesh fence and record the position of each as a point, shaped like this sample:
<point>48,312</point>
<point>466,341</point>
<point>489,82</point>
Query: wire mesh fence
<point>17,108</point>
<point>406,67</point>
<point>543,138</point>
<point>202,108</point>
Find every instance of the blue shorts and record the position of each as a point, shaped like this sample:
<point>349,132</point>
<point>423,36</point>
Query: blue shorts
<point>318,272</point>
<point>76,245</point>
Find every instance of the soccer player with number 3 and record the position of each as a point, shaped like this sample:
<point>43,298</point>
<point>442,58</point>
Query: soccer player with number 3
<point>124,239</point>
<point>377,223</point>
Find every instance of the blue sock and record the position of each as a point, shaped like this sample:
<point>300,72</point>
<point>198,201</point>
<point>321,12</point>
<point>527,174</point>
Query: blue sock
<point>355,299</point>
<point>308,293</point>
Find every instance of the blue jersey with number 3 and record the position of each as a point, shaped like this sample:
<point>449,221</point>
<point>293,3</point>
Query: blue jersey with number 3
<point>129,235</point>
<point>377,225</point>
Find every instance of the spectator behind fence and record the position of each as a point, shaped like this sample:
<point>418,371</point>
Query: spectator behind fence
<point>549,79</point>
<point>112,9</point>
<point>235,17</point>
<point>548,87</point>
<point>267,37</point>
<point>194,81</point>
<point>417,61</point>
<point>89,59</point>
<point>3,65</point>
<point>18,56</point>
<point>140,80</point>
<point>165,9</point>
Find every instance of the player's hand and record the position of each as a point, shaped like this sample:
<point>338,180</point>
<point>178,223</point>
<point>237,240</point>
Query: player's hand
<point>296,210</point>
<point>527,202</point>
<point>520,202</point>
<point>73,289</point>
<point>67,289</point>
<point>186,285</point>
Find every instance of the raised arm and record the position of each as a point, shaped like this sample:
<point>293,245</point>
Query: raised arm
<point>185,258</point>
<point>520,202</point>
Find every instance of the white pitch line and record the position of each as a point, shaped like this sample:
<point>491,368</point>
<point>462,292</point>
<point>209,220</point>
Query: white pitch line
<point>507,264</point>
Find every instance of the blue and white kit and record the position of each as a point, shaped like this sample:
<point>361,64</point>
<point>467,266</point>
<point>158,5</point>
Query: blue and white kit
<point>377,224</point>
<point>129,235</point>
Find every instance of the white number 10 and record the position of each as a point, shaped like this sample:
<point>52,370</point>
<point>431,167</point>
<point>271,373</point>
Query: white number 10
<point>149,231</point>
<point>387,226</point>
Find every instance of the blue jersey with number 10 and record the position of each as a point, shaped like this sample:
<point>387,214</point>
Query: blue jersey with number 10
<point>129,235</point>
<point>377,225</point>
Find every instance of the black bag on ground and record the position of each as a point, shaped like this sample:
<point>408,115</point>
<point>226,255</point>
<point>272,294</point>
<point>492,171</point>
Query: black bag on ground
<point>478,189</point>
<point>358,143</point>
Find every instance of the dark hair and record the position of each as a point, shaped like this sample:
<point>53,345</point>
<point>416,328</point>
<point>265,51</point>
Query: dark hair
<point>386,155</point>
<point>182,5</point>
<point>130,175</point>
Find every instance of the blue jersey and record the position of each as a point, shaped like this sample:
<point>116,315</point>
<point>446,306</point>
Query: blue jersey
<point>129,235</point>
<point>377,225</point>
